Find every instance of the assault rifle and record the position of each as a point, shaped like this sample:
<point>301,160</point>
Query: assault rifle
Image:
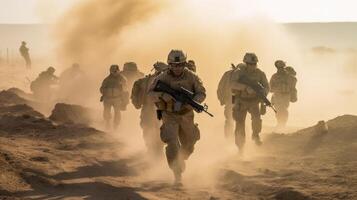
<point>258,89</point>
<point>181,97</point>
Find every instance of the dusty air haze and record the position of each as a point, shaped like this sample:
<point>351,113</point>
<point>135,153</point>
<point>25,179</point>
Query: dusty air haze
<point>96,34</point>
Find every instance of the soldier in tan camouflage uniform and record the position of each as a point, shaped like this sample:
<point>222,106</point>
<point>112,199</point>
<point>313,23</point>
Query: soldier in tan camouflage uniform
<point>131,73</point>
<point>114,94</point>
<point>282,86</point>
<point>246,100</point>
<point>41,86</point>
<point>178,130</point>
<point>148,119</point>
<point>224,94</point>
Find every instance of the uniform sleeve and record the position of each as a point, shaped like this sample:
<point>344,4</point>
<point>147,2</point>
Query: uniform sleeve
<point>221,87</point>
<point>102,87</point>
<point>124,84</point>
<point>273,83</point>
<point>155,96</point>
<point>200,90</point>
<point>235,85</point>
<point>264,82</point>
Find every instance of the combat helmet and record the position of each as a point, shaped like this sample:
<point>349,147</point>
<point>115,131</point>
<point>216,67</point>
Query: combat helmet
<point>130,66</point>
<point>160,66</point>
<point>51,70</point>
<point>114,68</point>
<point>290,70</point>
<point>250,58</point>
<point>279,64</point>
<point>176,56</point>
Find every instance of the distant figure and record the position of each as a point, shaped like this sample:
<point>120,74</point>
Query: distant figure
<point>247,100</point>
<point>24,51</point>
<point>41,86</point>
<point>131,73</point>
<point>114,94</point>
<point>69,81</point>
<point>191,65</point>
<point>283,87</point>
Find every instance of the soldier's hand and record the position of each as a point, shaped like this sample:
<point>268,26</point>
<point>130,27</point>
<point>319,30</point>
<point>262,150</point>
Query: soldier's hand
<point>166,97</point>
<point>250,90</point>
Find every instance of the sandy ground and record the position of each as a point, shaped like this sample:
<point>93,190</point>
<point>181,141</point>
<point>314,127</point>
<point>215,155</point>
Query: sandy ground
<point>41,160</point>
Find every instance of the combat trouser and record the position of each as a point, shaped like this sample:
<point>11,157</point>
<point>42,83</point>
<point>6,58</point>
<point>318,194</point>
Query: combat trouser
<point>108,104</point>
<point>240,111</point>
<point>151,132</point>
<point>180,134</point>
<point>281,102</point>
<point>228,123</point>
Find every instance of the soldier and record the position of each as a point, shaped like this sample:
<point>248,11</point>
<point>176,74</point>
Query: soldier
<point>24,51</point>
<point>70,77</point>
<point>178,130</point>
<point>282,86</point>
<point>114,94</point>
<point>191,65</point>
<point>148,119</point>
<point>224,94</point>
<point>246,100</point>
<point>41,86</point>
<point>131,73</point>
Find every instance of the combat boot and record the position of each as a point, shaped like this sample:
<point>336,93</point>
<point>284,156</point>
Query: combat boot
<point>178,178</point>
<point>256,139</point>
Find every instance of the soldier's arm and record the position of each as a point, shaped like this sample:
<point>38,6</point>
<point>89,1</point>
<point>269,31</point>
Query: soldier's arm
<point>272,84</point>
<point>155,96</point>
<point>102,87</point>
<point>124,83</point>
<point>220,89</point>
<point>235,85</point>
<point>265,83</point>
<point>200,91</point>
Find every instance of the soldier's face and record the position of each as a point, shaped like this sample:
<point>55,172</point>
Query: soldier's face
<point>252,65</point>
<point>177,68</point>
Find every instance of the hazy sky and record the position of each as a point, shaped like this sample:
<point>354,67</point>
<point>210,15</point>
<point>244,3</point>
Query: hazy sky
<point>42,11</point>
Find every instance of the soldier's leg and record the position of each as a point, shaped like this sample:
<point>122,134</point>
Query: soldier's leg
<point>228,124</point>
<point>106,113</point>
<point>256,122</point>
<point>117,114</point>
<point>282,104</point>
<point>151,135</point>
<point>239,115</point>
<point>169,135</point>
<point>189,134</point>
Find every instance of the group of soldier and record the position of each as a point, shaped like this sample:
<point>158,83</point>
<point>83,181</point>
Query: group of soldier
<point>168,119</point>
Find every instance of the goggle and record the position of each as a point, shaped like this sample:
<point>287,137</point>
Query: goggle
<point>178,64</point>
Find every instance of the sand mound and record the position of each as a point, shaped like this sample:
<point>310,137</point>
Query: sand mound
<point>9,98</point>
<point>73,114</point>
<point>20,93</point>
<point>342,132</point>
<point>19,110</point>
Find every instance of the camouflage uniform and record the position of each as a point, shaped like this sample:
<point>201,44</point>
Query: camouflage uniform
<point>224,94</point>
<point>41,86</point>
<point>178,130</point>
<point>131,73</point>
<point>148,119</point>
<point>114,94</point>
<point>246,100</point>
<point>282,86</point>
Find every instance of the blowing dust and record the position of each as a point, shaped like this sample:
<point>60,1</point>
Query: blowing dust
<point>99,33</point>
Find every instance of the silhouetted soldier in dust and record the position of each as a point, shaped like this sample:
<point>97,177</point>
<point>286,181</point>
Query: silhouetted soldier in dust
<point>24,51</point>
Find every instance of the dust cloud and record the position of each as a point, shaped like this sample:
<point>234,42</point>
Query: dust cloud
<point>99,33</point>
